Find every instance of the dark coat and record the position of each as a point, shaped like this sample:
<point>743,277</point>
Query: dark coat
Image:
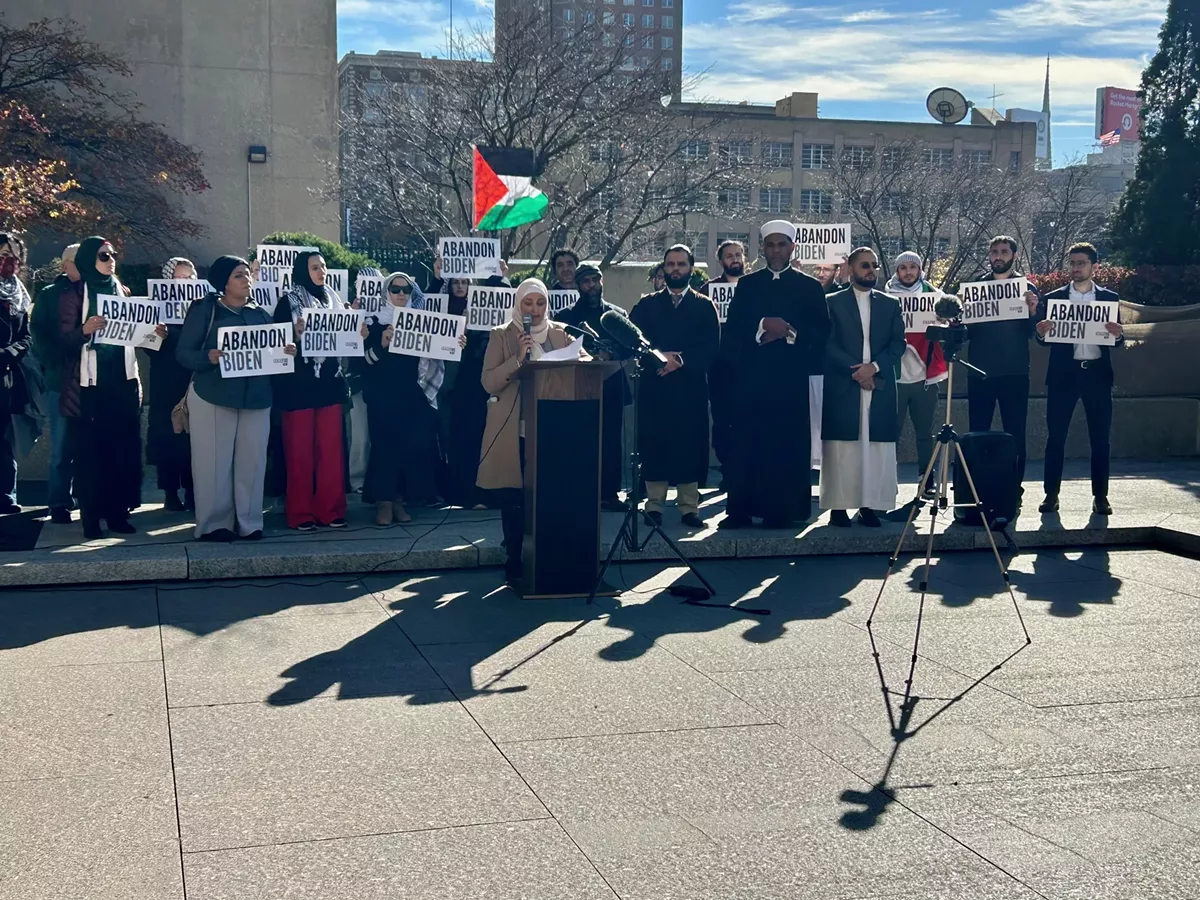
<point>199,335</point>
<point>616,387</point>
<point>769,387</point>
<point>1062,363</point>
<point>14,344</point>
<point>43,329</point>
<point>1000,348</point>
<point>673,420</point>
<point>840,411</point>
<point>302,388</point>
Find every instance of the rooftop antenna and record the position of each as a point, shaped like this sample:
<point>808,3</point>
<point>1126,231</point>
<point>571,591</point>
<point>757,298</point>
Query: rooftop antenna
<point>947,105</point>
<point>994,96</point>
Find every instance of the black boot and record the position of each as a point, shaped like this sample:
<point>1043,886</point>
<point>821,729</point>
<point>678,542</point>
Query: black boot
<point>172,503</point>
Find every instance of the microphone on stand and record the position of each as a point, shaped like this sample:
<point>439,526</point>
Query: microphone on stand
<point>528,320</point>
<point>630,338</point>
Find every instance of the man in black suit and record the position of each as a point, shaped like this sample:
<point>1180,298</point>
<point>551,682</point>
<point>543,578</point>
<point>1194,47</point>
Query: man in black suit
<point>1076,372</point>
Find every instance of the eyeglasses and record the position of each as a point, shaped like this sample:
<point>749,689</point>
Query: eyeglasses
<point>400,288</point>
<point>869,265</point>
<point>106,256</point>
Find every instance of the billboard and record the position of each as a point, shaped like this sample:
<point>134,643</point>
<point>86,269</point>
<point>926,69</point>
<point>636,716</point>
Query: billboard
<point>1043,123</point>
<point>1118,108</point>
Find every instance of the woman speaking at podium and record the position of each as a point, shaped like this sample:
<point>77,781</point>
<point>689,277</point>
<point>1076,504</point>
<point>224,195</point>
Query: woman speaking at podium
<point>528,335</point>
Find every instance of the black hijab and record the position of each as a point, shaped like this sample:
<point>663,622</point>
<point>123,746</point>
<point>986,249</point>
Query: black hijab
<point>220,271</point>
<point>301,277</point>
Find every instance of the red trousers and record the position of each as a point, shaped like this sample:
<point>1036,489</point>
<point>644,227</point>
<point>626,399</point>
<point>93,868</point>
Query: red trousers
<point>313,451</point>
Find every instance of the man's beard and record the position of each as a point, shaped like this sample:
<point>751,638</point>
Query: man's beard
<point>677,281</point>
<point>999,268</point>
<point>908,284</point>
<point>591,297</point>
<point>737,270</point>
<point>865,281</point>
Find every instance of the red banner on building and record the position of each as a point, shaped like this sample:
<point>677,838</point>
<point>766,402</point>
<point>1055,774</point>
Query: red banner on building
<point>1118,108</point>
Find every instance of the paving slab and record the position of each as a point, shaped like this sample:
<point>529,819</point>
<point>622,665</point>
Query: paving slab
<point>292,659</point>
<point>251,774</point>
<point>510,861</point>
<point>104,838</point>
<point>82,720</point>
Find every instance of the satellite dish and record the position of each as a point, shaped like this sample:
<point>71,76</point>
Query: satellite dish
<point>947,105</point>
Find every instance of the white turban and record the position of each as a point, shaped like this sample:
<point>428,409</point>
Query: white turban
<point>779,226</point>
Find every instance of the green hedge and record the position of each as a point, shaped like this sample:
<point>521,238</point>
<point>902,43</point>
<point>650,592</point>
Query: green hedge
<point>336,256</point>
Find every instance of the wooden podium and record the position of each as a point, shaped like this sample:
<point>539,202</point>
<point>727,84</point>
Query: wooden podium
<point>560,404</point>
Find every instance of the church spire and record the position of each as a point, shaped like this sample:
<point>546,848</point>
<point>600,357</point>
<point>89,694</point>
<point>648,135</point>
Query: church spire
<point>1046,110</point>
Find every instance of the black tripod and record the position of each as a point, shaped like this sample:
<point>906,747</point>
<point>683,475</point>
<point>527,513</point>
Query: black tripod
<point>628,536</point>
<point>946,439</point>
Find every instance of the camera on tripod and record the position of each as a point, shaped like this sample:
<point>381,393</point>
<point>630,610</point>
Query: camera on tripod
<point>953,335</point>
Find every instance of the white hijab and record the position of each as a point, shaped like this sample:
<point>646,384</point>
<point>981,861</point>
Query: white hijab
<point>541,332</point>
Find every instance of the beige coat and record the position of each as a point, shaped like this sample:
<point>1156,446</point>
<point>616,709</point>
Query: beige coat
<point>500,454</point>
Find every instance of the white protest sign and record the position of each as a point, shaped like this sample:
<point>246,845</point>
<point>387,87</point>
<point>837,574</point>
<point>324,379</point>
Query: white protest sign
<point>266,295</point>
<point>488,307</point>
<point>129,321</point>
<point>276,260</point>
<point>560,300</point>
<point>248,350</point>
<point>433,335</point>
<point>822,244</point>
<point>917,310</point>
<point>176,296</point>
<point>332,332</point>
<point>994,301</point>
<point>368,293</point>
<point>338,281</point>
<point>437,302</point>
<point>720,295</point>
<point>469,257</point>
<point>1080,322</point>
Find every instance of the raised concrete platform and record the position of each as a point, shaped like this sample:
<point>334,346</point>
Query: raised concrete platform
<point>1155,504</point>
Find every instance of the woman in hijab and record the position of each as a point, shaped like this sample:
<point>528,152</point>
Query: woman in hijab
<point>401,394</point>
<point>229,418</point>
<point>14,344</point>
<point>467,404</point>
<point>168,452</point>
<point>502,454</point>
<point>312,399</point>
<point>108,454</point>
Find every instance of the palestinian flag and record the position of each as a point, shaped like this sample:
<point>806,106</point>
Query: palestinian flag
<point>504,193</point>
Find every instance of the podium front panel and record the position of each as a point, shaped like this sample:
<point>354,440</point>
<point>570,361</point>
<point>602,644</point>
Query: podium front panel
<point>561,549</point>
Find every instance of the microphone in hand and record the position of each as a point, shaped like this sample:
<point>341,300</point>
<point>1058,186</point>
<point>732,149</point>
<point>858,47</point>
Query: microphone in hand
<point>528,321</point>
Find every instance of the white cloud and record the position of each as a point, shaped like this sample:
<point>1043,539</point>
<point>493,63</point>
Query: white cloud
<point>1080,15</point>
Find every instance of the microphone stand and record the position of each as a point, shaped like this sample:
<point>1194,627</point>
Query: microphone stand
<point>628,535</point>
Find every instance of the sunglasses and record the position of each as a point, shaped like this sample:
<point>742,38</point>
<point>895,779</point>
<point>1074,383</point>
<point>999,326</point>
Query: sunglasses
<point>106,256</point>
<point>400,289</point>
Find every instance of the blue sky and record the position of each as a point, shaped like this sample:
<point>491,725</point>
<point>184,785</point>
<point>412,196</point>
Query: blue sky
<point>870,59</point>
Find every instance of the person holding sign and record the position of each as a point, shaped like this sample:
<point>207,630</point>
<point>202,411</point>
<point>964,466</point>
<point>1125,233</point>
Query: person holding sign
<point>916,388</point>
<point>14,345</point>
<point>721,396</point>
<point>108,453</point>
<point>673,424</point>
<point>859,421</point>
<point>774,339</point>
<point>502,453</point>
<point>401,395</point>
<point>229,418</point>
<point>588,309</point>
<point>1001,349</point>
<point>168,452</point>
<point>312,399</point>
<point>360,432</point>
<point>1079,371</point>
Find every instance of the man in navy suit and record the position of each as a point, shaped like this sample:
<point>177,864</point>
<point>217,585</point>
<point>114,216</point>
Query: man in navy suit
<point>1076,372</point>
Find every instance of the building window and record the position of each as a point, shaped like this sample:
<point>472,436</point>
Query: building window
<point>568,15</point>
<point>627,20</point>
<point>891,247</point>
<point>648,42</point>
<point>668,21</point>
<point>743,237</point>
<point>609,18</point>
<point>977,159</point>
<point>941,248</point>
<point>629,42</point>
<point>668,4</point>
<point>937,157</point>
<point>812,201</point>
<point>816,156</point>
<point>589,18</point>
<point>1014,161</point>
<point>694,150</point>
<point>893,205</point>
<point>892,159</point>
<point>597,243</point>
<point>852,206</point>
<point>666,63</point>
<point>647,21</point>
<point>775,199</point>
<point>607,40</point>
<point>736,152</point>
<point>777,154</point>
<point>668,43</point>
<point>858,157</point>
<point>647,2</point>
<point>737,197</point>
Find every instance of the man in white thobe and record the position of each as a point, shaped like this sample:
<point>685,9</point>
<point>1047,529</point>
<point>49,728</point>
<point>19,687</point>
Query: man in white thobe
<point>859,420</point>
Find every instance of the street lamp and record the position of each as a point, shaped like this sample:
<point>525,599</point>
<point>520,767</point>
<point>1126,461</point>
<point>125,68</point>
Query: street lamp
<point>256,154</point>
